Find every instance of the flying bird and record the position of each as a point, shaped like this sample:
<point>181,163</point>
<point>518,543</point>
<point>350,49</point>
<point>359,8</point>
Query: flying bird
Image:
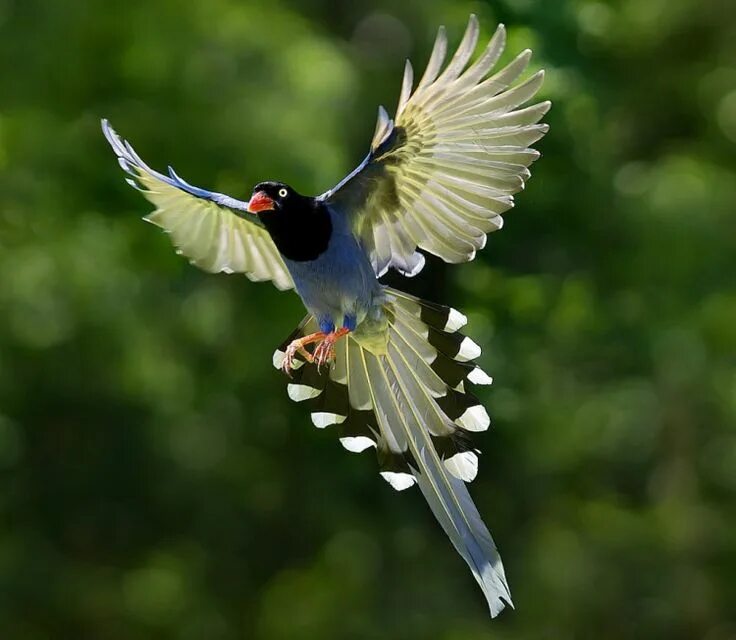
<point>390,371</point>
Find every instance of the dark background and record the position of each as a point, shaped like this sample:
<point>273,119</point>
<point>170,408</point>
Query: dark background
<point>155,480</point>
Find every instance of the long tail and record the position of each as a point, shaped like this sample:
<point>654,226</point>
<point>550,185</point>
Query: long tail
<point>412,405</point>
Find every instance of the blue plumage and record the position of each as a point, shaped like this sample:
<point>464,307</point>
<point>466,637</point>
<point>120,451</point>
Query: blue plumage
<point>339,286</point>
<point>390,371</point>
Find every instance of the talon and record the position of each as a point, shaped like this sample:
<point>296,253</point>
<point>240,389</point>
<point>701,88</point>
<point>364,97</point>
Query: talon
<point>324,352</point>
<point>298,346</point>
<point>288,364</point>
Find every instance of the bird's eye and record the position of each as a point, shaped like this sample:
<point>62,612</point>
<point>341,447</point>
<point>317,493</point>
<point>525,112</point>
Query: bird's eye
<point>283,193</point>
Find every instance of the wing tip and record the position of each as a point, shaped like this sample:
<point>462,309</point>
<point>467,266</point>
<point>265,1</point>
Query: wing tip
<point>112,138</point>
<point>123,150</point>
<point>498,39</point>
<point>384,126</point>
<point>523,58</point>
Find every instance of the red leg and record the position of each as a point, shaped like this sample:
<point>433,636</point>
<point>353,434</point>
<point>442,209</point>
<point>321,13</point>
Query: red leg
<point>324,352</point>
<point>298,346</point>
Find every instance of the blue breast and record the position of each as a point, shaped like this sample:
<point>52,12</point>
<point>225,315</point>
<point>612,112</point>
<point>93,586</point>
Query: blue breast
<point>339,286</point>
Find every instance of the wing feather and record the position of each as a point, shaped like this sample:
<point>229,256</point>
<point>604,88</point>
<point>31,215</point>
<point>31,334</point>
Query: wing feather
<point>211,229</point>
<point>439,176</point>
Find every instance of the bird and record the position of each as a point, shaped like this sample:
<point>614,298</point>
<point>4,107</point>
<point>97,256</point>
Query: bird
<point>385,369</point>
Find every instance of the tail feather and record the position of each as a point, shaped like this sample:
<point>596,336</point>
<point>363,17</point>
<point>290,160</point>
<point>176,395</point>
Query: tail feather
<point>411,404</point>
<point>447,495</point>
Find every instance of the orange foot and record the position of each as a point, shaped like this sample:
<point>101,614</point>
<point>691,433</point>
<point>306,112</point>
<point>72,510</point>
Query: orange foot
<point>299,346</point>
<point>324,352</point>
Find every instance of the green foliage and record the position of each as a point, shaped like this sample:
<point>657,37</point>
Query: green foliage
<point>157,482</point>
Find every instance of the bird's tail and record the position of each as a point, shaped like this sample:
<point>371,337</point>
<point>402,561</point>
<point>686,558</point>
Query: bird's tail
<point>409,400</point>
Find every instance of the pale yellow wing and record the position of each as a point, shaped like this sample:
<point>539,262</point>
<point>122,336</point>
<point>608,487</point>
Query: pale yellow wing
<point>439,176</point>
<point>213,230</point>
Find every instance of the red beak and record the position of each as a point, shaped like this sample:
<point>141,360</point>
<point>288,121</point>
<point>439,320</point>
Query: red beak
<point>260,202</point>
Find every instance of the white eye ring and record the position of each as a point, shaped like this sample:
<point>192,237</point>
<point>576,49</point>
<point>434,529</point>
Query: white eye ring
<point>283,193</point>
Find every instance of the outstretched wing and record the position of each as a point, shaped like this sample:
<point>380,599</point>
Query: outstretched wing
<point>211,229</point>
<point>440,176</point>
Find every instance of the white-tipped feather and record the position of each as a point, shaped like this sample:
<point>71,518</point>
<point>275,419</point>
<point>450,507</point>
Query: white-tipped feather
<point>300,392</point>
<point>463,465</point>
<point>398,398</point>
<point>454,509</point>
<point>469,350</point>
<point>278,358</point>
<point>455,321</point>
<point>322,419</point>
<point>447,495</point>
<point>478,376</point>
<point>357,444</point>
<point>474,419</point>
<point>399,480</point>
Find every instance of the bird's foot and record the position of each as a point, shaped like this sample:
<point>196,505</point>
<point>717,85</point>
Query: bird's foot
<point>299,346</point>
<point>324,352</point>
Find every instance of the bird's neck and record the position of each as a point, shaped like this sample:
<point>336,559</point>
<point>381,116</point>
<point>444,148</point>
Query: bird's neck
<point>300,231</point>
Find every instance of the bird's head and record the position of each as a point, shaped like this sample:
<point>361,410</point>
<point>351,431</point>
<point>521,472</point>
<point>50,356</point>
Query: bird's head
<point>271,196</point>
<point>300,226</point>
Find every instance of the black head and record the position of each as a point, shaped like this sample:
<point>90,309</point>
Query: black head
<point>273,196</point>
<point>300,226</point>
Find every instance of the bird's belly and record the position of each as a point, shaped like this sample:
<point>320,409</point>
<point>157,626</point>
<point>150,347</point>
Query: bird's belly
<point>338,283</point>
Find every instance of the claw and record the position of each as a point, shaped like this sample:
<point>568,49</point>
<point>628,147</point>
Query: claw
<point>288,364</point>
<point>298,346</point>
<point>324,352</point>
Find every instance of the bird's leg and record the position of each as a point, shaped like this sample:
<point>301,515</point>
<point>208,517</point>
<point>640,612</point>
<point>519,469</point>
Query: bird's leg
<point>324,352</point>
<point>298,346</point>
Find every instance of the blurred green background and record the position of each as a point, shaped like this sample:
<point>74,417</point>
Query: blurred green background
<point>156,481</point>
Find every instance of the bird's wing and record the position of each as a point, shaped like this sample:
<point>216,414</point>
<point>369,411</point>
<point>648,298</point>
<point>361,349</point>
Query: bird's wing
<point>440,174</point>
<point>211,229</point>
